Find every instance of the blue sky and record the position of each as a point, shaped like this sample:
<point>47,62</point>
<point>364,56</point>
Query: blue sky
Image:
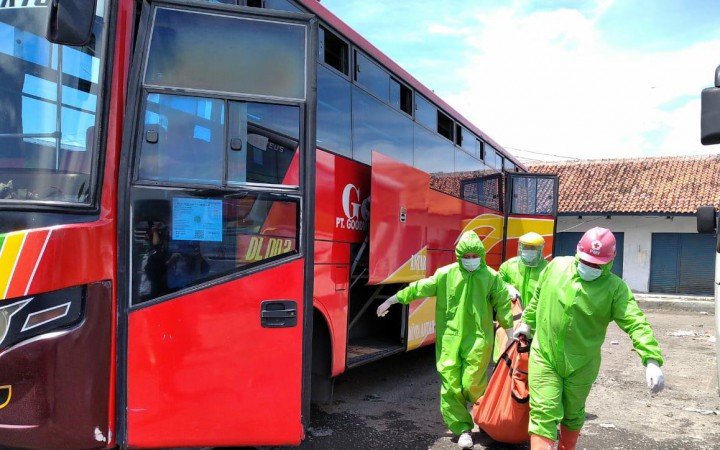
<point>580,79</point>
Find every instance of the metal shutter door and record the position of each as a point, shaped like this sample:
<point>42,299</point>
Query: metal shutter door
<point>664,262</point>
<point>566,245</point>
<point>697,264</point>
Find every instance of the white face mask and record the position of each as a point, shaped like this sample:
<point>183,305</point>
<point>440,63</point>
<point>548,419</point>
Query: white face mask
<point>588,273</point>
<point>529,257</point>
<point>470,264</point>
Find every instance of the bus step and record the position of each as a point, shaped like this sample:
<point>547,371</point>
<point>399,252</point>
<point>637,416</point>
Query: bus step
<point>362,351</point>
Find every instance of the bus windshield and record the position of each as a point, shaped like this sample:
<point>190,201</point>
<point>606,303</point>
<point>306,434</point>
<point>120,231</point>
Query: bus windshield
<point>48,113</point>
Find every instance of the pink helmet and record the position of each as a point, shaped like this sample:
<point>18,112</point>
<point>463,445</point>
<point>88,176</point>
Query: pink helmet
<point>597,246</point>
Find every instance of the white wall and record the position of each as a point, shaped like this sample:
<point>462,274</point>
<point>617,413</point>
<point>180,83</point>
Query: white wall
<point>638,238</point>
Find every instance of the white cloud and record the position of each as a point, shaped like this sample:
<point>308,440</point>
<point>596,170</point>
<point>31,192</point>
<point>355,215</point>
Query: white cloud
<point>546,82</point>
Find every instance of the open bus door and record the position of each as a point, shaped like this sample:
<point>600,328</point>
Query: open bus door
<point>217,255</point>
<point>394,253</point>
<point>530,205</point>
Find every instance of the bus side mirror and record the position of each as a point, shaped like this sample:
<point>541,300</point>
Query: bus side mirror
<point>70,22</point>
<point>710,115</point>
<point>706,220</point>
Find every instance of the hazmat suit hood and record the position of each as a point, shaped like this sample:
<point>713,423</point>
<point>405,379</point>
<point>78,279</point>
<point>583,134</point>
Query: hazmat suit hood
<point>470,242</point>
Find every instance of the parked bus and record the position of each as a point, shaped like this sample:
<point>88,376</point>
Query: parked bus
<point>201,204</point>
<point>708,219</point>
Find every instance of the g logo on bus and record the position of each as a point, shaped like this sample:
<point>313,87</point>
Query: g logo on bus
<point>5,394</point>
<point>356,216</point>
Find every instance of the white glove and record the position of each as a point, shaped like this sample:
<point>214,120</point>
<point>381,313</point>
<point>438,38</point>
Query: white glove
<point>523,329</point>
<point>510,337</point>
<point>654,376</point>
<point>514,294</point>
<point>383,308</point>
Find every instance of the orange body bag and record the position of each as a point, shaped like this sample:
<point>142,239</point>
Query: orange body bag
<point>504,412</point>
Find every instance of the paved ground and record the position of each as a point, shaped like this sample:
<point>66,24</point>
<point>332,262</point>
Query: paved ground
<point>393,404</point>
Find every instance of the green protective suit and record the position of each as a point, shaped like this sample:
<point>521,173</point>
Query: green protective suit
<point>522,278</point>
<point>464,328</point>
<point>570,317</point>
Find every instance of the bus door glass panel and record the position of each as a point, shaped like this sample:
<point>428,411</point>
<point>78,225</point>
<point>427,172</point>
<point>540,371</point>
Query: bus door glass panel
<point>532,206</point>
<point>263,144</point>
<point>49,97</point>
<point>190,50</point>
<point>182,238</point>
<point>182,140</point>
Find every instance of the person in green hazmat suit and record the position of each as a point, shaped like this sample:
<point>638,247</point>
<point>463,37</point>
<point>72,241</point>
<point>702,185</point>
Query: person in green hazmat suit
<point>573,304</point>
<point>466,292</point>
<point>521,273</point>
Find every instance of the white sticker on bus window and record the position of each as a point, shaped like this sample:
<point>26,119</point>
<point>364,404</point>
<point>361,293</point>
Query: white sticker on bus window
<point>197,219</point>
<point>17,4</point>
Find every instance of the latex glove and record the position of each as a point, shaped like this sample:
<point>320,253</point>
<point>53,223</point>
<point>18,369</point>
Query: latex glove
<point>514,294</point>
<point>654,376</point>
<point>510,337</point>
<point>523,329</point>
<point>385,306</point>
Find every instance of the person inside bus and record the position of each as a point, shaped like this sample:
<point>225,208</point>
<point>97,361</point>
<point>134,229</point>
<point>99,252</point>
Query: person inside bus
<point>520,274</point>
<point>155,266</point>
<point>467,293</point>
<point>571,308</point>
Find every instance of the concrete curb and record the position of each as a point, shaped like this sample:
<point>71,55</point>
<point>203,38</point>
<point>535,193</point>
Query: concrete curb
<point>676,303</point>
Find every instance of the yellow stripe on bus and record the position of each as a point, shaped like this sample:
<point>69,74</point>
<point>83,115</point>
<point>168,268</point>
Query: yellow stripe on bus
<point>491,222</point>
<point>8,258</point>
<point>517,226</point>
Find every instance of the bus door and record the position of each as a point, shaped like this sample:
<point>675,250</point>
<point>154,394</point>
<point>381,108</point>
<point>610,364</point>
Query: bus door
<point>219,144</point>
<point>397,255</point>
<point>530,205</point>
<point>398,221</point>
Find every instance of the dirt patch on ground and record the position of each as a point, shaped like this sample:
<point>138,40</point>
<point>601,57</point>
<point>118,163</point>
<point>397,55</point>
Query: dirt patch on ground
<point>394,403</point>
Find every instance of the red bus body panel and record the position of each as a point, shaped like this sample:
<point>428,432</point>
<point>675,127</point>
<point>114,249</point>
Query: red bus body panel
<point>201,372</point>
<point>401,252</point>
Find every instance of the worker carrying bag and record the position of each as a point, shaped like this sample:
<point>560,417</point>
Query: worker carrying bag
<point>504,412</point>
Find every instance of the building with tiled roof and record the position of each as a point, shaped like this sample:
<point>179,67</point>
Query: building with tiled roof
<point>670,185</point>
<point>650,205</point>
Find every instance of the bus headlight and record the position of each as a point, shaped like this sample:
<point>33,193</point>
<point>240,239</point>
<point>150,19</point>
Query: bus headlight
<point>24,318</point>
<point>6,314</point>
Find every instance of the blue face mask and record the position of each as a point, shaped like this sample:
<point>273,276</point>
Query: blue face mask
<point>588,273</point>
<point>471,264</point>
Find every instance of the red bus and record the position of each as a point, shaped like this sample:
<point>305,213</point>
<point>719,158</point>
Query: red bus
<point>201,204</point>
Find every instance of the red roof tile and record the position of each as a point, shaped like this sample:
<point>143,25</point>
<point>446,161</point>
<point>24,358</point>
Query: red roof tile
<point>663,185</point>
